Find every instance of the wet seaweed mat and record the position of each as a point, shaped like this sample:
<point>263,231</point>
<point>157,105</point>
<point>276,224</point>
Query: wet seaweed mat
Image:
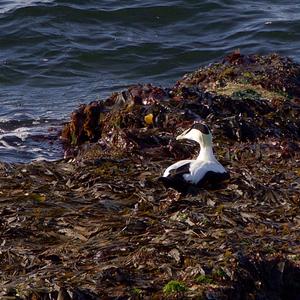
<point>100,225</point>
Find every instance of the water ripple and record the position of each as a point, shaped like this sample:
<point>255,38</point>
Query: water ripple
<point>55,54</point>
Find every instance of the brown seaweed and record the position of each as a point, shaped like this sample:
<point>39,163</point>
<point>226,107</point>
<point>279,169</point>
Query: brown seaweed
<point>101,226</point>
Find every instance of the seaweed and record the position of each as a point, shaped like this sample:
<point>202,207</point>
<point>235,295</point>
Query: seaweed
<point>99,224</point>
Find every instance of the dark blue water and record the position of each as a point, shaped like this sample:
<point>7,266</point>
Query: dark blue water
<point>56,54</point>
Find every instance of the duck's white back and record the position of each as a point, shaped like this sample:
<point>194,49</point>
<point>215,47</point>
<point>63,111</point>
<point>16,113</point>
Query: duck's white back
<point>199,168</point>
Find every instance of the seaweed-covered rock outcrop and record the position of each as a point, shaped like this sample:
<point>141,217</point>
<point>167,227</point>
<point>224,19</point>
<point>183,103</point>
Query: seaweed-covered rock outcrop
<point>100,225</point>
<point>242,98</point>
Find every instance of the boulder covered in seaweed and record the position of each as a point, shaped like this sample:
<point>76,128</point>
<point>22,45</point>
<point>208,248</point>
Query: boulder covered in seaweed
<point>274,76</point>
<point>242,98</point>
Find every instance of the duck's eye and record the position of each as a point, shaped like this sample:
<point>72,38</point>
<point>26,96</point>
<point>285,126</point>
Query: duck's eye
<point>205,129</point>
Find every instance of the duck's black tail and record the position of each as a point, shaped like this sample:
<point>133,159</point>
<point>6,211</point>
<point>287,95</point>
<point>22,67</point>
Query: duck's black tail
<point>171,182</point>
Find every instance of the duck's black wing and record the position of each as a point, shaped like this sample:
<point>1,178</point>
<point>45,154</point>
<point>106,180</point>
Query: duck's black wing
<point>210,180</point>
<point>213,178</point>
<point>175,178</point>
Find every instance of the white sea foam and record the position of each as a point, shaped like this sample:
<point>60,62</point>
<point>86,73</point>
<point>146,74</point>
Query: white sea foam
<point>6,145</point>
<point>8,5</point>
<point>28,143</point>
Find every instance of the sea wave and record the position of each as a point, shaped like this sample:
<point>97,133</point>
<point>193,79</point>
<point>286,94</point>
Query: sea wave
<point>57,54</point>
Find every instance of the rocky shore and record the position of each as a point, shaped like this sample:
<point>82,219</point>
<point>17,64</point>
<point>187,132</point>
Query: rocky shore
<point>99,225</point>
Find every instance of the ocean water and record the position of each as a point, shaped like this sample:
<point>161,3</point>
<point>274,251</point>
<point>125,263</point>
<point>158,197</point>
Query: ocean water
<point>56,54</point>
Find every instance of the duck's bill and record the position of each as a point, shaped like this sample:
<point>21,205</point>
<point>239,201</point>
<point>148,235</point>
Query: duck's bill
<point>183,135</point>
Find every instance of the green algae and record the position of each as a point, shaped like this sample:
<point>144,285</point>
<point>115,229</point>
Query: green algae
<point>174,287</point>
<point>204,279</point>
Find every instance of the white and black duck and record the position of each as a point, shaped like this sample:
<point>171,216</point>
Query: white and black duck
<point>202,171</point>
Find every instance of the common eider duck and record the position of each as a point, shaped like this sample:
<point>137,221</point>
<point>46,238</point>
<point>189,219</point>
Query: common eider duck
<point>205,170</point>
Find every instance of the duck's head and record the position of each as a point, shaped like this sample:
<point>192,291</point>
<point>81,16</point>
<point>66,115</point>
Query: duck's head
<point>199,133</point>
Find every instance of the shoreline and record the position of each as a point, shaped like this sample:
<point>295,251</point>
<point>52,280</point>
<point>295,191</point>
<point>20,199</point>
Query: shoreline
<point>100,226</point>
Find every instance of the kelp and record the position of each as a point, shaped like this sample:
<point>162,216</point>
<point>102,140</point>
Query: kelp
<point>99,225</point>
